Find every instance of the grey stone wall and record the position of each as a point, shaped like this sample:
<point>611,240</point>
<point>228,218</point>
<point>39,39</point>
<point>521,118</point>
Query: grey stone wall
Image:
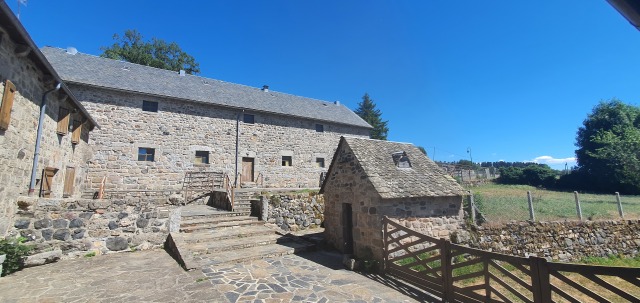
<point>180,128</point>
<point>347,183</point>
<point>296,211</point>
<point>565,241</point>
<point>18,142</point>
<point>80,226</point>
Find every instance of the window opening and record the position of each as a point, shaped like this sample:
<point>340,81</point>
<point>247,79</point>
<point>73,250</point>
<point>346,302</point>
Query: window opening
<point>287,161</point>
<point>149,106</point>
<point>401,160</point>
<point>146,154</point>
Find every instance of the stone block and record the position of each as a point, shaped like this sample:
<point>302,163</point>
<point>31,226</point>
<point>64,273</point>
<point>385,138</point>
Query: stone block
<point>60,223</point>
<point>78,234</point>
<point>117,243</point>
<point>22,223</point>
<point>43,258</point>
<point>40,224</point>
<point>75,223</point>
<point>112,225</point>
<point>142,222</point>
<point>47,234</point>
<point>62,234</point>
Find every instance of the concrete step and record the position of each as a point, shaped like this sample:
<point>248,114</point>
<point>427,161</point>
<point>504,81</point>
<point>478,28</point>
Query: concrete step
<point>220,225</point>
<point>254,253</point>
<point>234,244</point>
<point>229,233</point>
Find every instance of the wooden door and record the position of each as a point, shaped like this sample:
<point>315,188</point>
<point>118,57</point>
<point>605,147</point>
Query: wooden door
<point>347,228</point>
<point>247,170</point>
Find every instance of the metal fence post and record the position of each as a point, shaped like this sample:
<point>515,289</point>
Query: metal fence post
<point>578,208</point>
<point>532,215</point>
<point>619,205</point>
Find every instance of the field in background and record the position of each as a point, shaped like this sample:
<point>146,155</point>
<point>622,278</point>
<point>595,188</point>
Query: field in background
<point>503,203</point>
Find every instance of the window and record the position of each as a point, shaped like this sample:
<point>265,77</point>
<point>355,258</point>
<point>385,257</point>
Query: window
<point>401,160</point>
<point>286,161</point>
<point>202,157</point>
<point>320,128</point>
<point>319,162</point>
<point>7,104</point>
<point>150,106</point>
<point>249,119</point>
<point>63,121</point>
<point>146,154</point>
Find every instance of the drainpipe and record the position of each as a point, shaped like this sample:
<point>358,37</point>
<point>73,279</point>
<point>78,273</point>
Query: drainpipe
<point>237,140</point>
<point>36,153</point>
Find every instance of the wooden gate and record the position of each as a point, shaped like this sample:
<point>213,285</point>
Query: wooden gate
<point>457,273</point>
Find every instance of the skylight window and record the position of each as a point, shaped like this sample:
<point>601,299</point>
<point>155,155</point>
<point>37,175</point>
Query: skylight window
<point>401,160</point>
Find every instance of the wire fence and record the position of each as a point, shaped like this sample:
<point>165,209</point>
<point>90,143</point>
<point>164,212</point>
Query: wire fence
<point>543,205</point>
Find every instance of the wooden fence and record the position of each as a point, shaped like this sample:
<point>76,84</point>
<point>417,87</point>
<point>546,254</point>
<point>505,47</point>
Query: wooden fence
<point>461,274</point>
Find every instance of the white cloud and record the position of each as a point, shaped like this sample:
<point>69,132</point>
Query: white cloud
<point>552,160</point>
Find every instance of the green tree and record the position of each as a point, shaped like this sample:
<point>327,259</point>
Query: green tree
<point>608,144</point>
<point>368,112</point>
<point>155,53</point>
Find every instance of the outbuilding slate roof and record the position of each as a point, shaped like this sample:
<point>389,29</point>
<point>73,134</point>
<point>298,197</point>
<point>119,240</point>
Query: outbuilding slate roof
<point>423,179</point>
<point>114,74</point>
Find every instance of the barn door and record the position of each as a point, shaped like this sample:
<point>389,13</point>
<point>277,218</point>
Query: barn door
<point>247,170</point>
<point>47,182</point>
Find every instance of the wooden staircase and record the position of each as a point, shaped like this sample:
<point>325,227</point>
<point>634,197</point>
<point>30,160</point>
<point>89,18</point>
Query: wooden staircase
<point>208,236</point>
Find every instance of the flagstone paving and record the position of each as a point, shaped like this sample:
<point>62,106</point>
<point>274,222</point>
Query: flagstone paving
<point>153,276</point>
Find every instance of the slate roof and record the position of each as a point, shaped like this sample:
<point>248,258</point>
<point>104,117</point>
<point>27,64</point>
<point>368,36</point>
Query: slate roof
<point>14,29</point>
<point>423,179</point>
<point>114,74</point>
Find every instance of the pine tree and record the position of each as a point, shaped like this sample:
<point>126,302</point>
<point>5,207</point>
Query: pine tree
<point>368,112</point>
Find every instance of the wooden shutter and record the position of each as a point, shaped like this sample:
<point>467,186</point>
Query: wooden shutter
<point>47,182</point>
<point>63,121</point>
<point>7,104</point>
<point>69,181</point>
<point>77,130</point>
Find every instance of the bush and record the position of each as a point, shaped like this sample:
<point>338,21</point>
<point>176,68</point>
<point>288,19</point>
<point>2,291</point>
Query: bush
<point>15,251</point>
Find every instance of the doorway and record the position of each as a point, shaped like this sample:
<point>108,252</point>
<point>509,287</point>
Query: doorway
<point>247,170</point>
<point>347,228</point>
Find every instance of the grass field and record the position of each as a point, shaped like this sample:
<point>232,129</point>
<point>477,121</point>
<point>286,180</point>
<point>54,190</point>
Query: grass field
<point>501,203</point>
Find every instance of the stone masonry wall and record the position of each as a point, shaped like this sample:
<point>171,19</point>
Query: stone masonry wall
<point>297,211</point>
<point>80,226</point>
<point>564,241</point>
<point>181,128</point>
<point>18,142</point>
<point>433,216</point>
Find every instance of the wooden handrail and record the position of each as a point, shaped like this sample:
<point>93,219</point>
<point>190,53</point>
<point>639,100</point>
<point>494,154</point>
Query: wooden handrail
<point>261,178</point>
<point>101,190</point>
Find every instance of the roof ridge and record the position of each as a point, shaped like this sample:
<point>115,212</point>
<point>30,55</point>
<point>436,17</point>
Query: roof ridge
<point>196,76</point>
<point>371,139</point>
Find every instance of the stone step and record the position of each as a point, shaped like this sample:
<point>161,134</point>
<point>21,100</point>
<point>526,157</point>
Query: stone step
<point>229,233</point>
<point>220,225</point>
<point>242,213</point>
<point>254,253</point>
<point>213,220</point>
<point>234,244</point>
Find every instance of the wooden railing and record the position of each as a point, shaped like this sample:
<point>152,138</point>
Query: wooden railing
<point>461,274</point>
<point>260,179</point>
<point>230,190</point>
<point>200,184</point>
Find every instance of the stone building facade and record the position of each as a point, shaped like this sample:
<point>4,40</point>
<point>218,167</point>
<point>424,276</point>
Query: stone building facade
<point>191,123</point>
<point>25,76</point>
<point>369,179</point>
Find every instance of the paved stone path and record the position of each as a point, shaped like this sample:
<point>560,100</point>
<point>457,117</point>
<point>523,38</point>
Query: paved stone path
<point>153,276</point>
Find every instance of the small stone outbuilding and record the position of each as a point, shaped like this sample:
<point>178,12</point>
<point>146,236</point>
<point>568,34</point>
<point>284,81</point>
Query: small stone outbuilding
<point>369,179</point>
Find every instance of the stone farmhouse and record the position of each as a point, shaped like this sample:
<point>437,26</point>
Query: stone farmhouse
<point>159,125</point>
<point>369,179</point>
<point>44,129</point>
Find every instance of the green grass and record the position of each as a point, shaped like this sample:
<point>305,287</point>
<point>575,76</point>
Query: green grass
<point>612,261</point>
<point>501,203</point>
<point>437,263</point>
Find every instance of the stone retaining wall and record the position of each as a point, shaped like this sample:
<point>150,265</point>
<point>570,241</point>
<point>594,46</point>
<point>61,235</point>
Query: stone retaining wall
<point>297,211</point>
<point>79,226</point>
<point>564,241</point>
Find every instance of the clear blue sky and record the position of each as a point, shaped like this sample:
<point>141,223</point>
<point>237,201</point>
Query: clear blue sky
<point>512,80</point>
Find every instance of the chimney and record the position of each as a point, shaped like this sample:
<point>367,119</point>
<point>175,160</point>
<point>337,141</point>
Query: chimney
<point>72,50</point>
<point>337,102</point>
<point>265,88</point>
<point>182,72</point>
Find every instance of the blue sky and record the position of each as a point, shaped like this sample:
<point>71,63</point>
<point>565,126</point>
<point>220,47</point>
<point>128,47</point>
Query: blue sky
<point>511,80</point>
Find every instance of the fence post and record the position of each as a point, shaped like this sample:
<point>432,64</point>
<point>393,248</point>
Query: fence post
<point>445,260</point>
<point>385,233</point>
<point>472,204</point>
<point>619,205</point>
<point>540,285</point>
<point>578,208</point>
<point>532,215</point>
